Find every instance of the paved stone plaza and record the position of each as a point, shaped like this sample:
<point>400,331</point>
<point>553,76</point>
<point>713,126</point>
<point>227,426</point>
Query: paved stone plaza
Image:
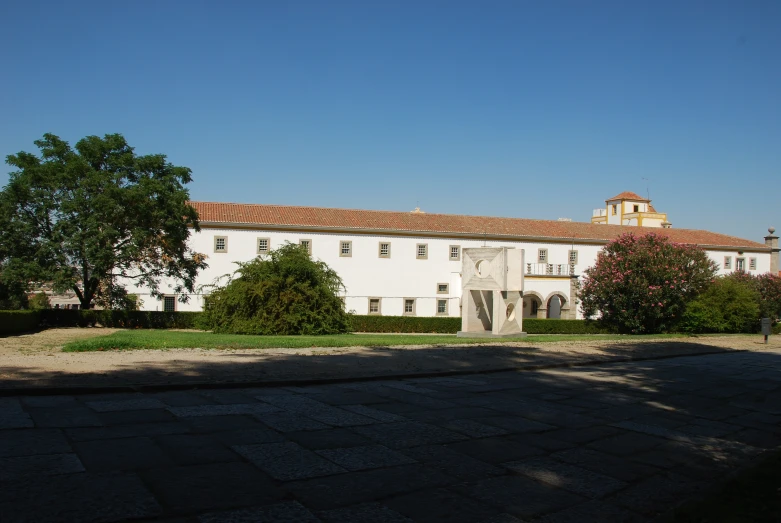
<point>616,442</point>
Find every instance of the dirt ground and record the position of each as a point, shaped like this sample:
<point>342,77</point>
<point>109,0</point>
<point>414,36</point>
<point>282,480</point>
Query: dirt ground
<point>36,360</point>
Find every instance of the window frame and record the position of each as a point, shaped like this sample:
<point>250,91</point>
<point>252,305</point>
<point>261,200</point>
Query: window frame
<point>418,256</point>
<point>225,247</point>
<point>169,297</point>
<point>635,208</point>
<point>257,245</point>
<point>569,256</point>
<point>447,307</point>
<point>379,306</point>
<point>349,244</point>
<point>447,288</point>
<point>542,255</point>
<point>308,244</point>
<point>450,253</point>
<point>413,312</point>
<point>379,250</point>
<point>615,209</point>
<point>752,264</point>
<point>740,264</point>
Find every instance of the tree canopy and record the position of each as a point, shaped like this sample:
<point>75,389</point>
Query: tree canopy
<point>283,292</point>
<point>641,284</point>
<point>94,217</point>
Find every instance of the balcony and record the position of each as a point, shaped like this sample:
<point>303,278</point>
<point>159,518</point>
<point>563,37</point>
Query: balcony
<point>549,269</point>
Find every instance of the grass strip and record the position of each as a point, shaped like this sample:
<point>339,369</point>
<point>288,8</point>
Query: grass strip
<point>163,339</point>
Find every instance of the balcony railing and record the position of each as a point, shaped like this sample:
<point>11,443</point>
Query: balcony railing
<point>598,213</point>
<point>549,269</point>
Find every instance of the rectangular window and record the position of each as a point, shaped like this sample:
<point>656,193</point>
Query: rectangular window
<point>455,252</point>
<point>615,210</point>
<point>740,264</point>
<point>636,208</point>
<point>422,251</point>
<point>263,245</point>
<point>384,250</point>
<point>573,257</point>
<point>220,244</point>
<point>542,255</point>
<point>345,249</point>
<point>752,264</point>
<point>306,244</point>
<point>409,306</point>
<point>728,262</point>
<point>443,288</point>
<point>441,307</point>
<point>169,304</point>
<point>374,305</point>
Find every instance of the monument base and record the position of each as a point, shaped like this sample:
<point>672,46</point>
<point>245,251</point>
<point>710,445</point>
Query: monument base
<point>488,334</point>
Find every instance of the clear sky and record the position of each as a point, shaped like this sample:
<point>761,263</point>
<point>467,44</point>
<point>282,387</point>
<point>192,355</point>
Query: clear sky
<point>508,108</point>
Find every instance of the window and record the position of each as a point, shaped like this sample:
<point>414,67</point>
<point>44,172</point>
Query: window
<point>740,264</point>
<point>441,307</point>
<point>636,208</point>
<point>306,244</point>
<point>422,251</point>
<point>263,245</point>
<point>384,250</point>
<point>728,262</point>
<point>455,252</point>
<point>169,304</point>
<point>346,249</point>
<point>220,244</point>
<point>443,288</point>
<point>374,305</point>
<point>615,210</point>
<point>573,257</point>
<point>542,255</point>
<point>409,306</point>
<point>752,264</point>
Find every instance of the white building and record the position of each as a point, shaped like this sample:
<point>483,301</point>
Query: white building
<point>628,208</point>
<point>409,263</point>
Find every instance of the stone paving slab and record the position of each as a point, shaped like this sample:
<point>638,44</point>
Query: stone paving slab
<point>602,443</point>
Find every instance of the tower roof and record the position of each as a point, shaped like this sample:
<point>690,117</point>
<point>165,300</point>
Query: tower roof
<point>628,195</point>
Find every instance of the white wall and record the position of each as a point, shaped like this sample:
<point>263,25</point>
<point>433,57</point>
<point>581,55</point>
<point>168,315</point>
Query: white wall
<point>402,275</point>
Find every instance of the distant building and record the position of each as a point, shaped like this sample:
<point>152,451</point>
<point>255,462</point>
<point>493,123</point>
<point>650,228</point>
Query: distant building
<point>631,209</point>
<point>409,263</point>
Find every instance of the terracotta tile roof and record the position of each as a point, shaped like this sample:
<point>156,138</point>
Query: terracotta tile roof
<point>651,208</point>
<point>627,195</point>
<point>440,224</point>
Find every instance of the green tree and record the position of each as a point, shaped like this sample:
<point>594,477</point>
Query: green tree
<point>641,284</point>
<point>768,287</point>
<point>40,301</point>
<point>728,305</point>
<point>284,292</point>
<point>94,217</point>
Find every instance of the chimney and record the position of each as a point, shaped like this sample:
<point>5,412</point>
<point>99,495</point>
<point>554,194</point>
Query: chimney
<point>771,240</point>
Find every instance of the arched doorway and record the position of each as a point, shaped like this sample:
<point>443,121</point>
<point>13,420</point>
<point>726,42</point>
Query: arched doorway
<point>531,304</point>
<point>554,307</point>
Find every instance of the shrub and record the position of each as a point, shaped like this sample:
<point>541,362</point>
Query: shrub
<point>14,322</point>
<point>768,287</point>
<point>728,305</point>
<point>120,319</point>
<point>285,292</point>
<point>440,325</point>
<point>40,301</point>
<point>641,284</point>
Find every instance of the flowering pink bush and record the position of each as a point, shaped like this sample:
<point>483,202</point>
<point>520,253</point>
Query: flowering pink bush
<point>641,284</point>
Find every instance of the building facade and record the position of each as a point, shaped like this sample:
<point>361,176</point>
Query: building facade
<point>409,263</point>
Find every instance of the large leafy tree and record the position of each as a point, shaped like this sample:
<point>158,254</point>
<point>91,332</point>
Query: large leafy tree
<point>641,284</point>
<point>284,292</point>
<point>95,217</point>
<point>768,287</point>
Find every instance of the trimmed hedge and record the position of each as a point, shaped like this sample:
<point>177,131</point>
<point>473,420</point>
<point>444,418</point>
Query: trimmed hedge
<point>120,319</point>
<point>14,322</point>
<point>451,325</point>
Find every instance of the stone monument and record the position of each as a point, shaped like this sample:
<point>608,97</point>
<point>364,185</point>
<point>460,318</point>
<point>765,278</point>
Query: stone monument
<point>492,292</point>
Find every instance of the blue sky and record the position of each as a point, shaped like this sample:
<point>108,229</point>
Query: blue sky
<point>507,108</point>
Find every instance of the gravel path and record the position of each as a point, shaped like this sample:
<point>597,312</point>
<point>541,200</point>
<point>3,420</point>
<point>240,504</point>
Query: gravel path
<point>35,360</point>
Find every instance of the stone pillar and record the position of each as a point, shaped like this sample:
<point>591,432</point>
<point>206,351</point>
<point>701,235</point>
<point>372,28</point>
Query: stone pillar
<point>771,240</point>
<point>573,303</point>
<point>542,312</point>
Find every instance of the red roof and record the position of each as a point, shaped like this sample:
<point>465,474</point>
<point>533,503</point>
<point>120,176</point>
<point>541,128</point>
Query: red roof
<point>628,195</point>
<point>283,216</point>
